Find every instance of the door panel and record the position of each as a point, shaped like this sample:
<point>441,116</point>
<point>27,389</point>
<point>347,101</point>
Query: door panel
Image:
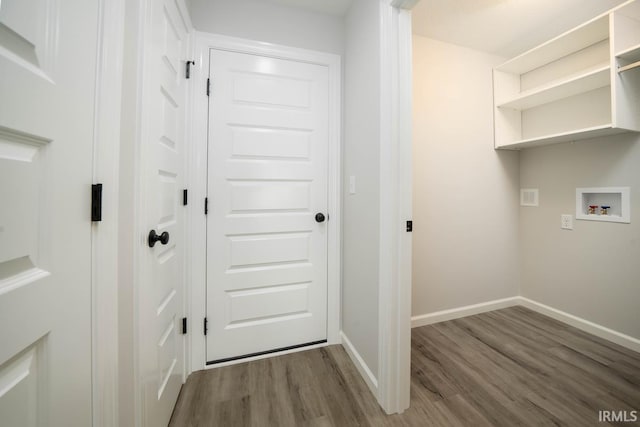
<point>268,302</point>
<point>267,256</point>
<point>274,91</point>
<point>22,388</point>
<point>255,250</point>
<point>251,142</point>
<point>47,84</point>
<point>162,271</point>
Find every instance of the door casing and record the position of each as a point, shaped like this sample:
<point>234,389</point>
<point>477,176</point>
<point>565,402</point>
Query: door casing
<point>197,182</point>
<point>106,258</point>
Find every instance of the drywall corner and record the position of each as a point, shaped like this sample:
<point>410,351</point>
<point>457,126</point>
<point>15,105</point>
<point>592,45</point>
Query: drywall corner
<point>361,148</point>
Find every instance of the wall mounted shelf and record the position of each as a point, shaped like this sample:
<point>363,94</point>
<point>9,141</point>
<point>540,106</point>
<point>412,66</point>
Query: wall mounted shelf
<point>560,89</point>
<point>632,53</point>
<point>573,135</point>
<point>572,87</point>
<point>565,44</point>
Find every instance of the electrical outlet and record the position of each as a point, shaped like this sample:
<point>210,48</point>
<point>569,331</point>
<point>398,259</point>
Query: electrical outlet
<point>566,222</point>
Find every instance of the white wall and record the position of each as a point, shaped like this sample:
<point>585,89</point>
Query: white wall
<point>592,272</point>
<point>268,22</point>
<point>361,214</point>
<point>465,194</point>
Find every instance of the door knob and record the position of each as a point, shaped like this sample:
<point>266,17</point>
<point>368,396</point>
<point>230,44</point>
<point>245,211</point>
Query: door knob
<point>319,217</point>
<point>162,238</point>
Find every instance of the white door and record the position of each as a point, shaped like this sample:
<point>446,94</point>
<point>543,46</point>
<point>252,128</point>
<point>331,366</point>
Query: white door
<point>266,253</point>
<point>47,85</point>
<point>161,292</point>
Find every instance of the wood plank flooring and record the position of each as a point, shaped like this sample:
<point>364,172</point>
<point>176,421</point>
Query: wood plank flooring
<point>510,367</point>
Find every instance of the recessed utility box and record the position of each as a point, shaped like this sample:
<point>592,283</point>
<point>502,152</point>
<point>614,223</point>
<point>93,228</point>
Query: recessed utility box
<point>610,204</point>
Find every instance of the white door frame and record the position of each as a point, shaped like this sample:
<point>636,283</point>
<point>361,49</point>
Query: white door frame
<point>394,335</point>
<point>197,179</point>
<point>104,234</point>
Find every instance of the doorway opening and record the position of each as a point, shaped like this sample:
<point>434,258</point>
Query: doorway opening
<point>266,253</point>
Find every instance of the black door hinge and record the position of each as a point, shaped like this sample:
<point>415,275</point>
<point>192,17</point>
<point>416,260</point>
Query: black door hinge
<point>96,202</point>
<point>187,71</point>
<point>208,86</point>
<point>206,205</point>
<point>409,226</point>
<point>184,326</point>
<point>205,326</point>
<point>185,197</point>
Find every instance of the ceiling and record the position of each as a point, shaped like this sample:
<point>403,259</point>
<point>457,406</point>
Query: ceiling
<point>331,7</point>
<point>502,27</point>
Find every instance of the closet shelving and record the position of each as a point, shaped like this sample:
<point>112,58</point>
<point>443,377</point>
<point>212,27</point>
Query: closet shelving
<point>561,88</point>
<point>582,84</point>
<point>632,53</point>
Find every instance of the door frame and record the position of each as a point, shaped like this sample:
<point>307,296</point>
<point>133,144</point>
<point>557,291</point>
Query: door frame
<point>105,256</point>
<point>197,182</point>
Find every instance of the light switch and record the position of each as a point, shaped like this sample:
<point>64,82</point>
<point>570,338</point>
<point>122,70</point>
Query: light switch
<point>352,184</point>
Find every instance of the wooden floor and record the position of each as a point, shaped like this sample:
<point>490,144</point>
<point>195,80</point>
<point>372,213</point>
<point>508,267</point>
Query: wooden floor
<point>510,367</point>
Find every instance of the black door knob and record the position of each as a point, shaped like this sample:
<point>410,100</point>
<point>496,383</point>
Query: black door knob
<point>154,237</point>
<point>319,217</point>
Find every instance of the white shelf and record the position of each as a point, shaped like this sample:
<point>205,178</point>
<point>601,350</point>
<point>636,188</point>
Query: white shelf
<point>573,135</point>
<point>572,41</point>
<point>631,54</point>
<point>560,89</point>
<point>582,84</point>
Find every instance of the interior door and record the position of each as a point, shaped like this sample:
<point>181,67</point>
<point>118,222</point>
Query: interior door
<point>267,219</point>
<point>47,85</point>
<point>161,293</point>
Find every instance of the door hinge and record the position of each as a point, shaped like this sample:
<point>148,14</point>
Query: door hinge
<point>187,72</point>
<point>206,205</point>
<point>96,202</point>
<point>184,326</point>
<point>409,226</point>
<point>205,326</point>
<point>185,197</point>
<point>208,86</point>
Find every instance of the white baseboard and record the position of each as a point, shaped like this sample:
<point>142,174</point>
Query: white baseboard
<point>582,324</point>
<point>456,313</point>
<point>360,364</point>
<point>575,321</point>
